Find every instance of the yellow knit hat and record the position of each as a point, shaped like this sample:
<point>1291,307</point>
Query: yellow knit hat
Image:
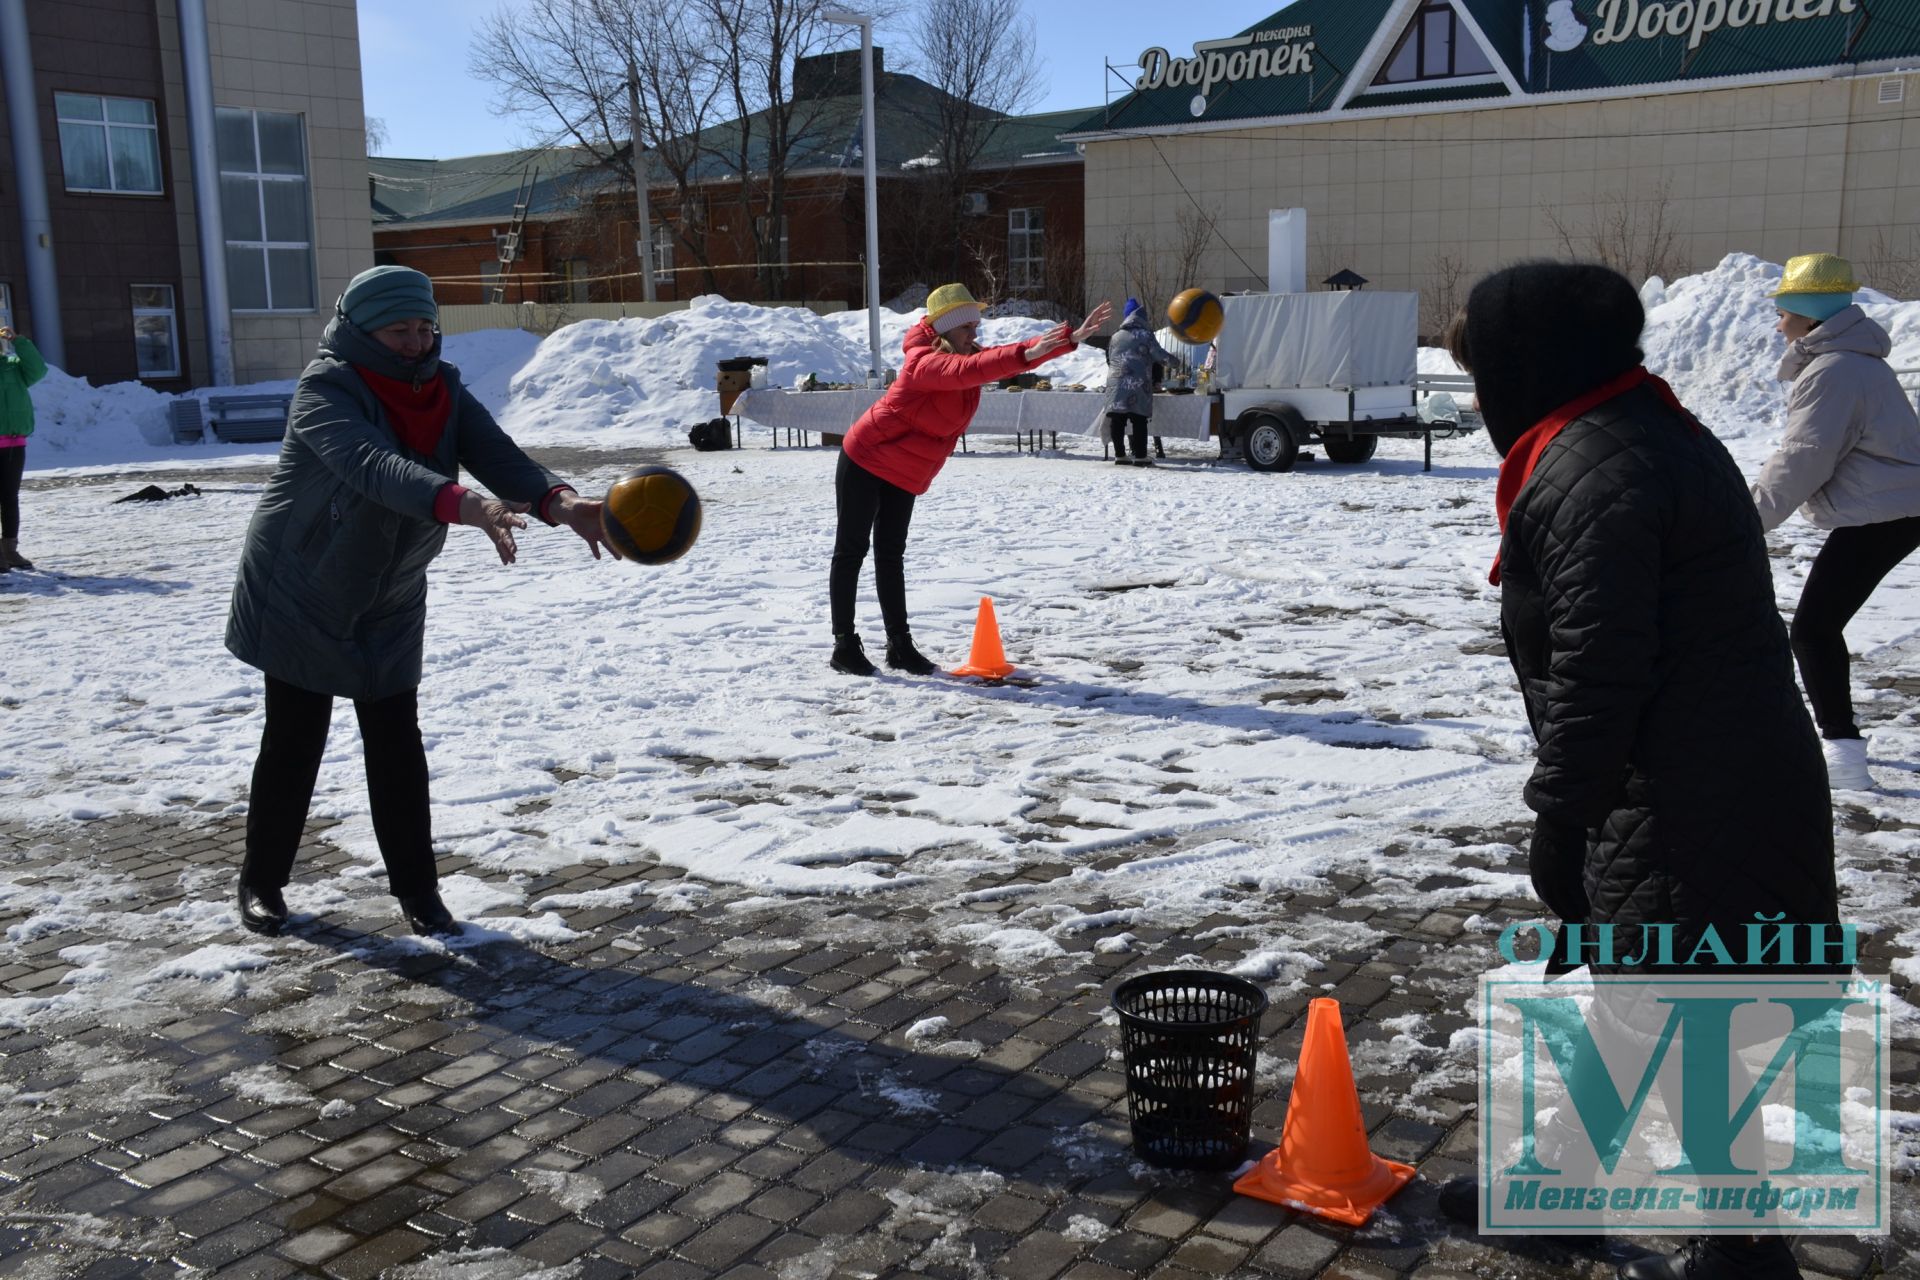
<point>1817,273</point>
<point>951,306</point>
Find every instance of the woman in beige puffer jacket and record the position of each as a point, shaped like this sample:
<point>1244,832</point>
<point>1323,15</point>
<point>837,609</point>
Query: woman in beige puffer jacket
<point>1850,461</point>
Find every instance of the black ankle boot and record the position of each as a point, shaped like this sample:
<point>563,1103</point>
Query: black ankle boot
<point>850,656</point>
<point>262,910</point>
<point>902,656</point>
<point>428,916</point>
<point>1719,1258</point>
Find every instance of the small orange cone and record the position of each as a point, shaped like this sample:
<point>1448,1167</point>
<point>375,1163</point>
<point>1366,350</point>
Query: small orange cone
<point>988,658</point>
<point>1323,1164</point>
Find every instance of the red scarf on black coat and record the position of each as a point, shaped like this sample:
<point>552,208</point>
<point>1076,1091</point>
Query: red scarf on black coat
<point>418,410</point>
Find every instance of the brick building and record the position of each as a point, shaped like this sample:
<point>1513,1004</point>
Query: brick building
<point>100,242</point>
<point>1020,231</point>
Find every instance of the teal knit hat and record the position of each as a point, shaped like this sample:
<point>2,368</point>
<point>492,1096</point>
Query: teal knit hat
<point>384,295</point>
<point>1814,306</point>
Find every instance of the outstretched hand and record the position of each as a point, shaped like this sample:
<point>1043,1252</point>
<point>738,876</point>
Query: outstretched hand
<point>1094,322</point>
<point>1063,335</point>
<point>498,519</point>
<point>581,515</point>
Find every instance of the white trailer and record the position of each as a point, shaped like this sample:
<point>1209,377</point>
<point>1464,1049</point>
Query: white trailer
<point>1338,370</point>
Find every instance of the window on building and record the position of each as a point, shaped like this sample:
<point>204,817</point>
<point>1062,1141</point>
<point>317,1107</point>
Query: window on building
<point>265,204</point>
<point>6,306</point>
<point>662,254</point>
<point>1435,46</point>
<point>760,227</point>
<point>573,280</point>
<point>156,331</point>
<point>108,144</point>
<point>1026,250</point>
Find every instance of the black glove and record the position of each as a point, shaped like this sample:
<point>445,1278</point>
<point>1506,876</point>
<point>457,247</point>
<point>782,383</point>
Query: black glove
<point>1557,862</point>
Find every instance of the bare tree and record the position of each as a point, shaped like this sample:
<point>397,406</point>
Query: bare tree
<point>1892,266</point>
<point>1637,238</point>
<point>1142,269</point>
<point>980,55</point>
<point>564,66</point>
<point>1444,294</point>
<point>755,45</point>
<point>1065,266</point>
<point>989,269</point>
<point>376,135</point>
<point>1193,232</point>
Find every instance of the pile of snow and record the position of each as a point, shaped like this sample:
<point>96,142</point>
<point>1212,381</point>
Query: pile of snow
<point>488,360</point>
<point>911,298</point>
<point>1712,337</point>
<point>645,382</point>
<point>77,424</point>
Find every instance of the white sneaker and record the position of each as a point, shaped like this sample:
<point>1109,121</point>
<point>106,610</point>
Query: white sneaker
<point>1847,764</point>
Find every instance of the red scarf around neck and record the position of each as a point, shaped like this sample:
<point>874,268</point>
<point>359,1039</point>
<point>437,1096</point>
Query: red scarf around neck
<point>418,411</point>
<point>1521,459</point>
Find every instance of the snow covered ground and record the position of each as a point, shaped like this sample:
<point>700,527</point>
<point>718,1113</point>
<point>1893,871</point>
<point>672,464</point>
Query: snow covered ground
<point>1239,681</point>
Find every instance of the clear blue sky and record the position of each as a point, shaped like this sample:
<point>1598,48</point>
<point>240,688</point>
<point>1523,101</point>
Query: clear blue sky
<point>414,60</point>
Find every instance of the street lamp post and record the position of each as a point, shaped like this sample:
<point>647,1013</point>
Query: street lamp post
<point>865,23</point>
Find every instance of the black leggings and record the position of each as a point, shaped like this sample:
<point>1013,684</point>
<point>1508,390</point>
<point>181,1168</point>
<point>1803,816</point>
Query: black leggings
<point>1117,424</point>
<point>13,464</point>
<point>1844,574</point>
<point>869,507</point>
<point>290,749</point>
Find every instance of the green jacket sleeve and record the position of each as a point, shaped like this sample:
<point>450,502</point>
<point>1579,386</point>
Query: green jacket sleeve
<point>33,365</point>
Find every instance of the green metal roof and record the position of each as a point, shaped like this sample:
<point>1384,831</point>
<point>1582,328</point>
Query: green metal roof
<point>1594,53</point>
<point>478,188</point>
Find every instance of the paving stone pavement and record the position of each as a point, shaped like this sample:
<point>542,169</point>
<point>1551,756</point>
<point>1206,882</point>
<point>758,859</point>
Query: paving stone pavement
<point>687,1089</point>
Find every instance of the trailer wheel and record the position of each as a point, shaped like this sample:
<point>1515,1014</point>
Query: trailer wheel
<point>1268,442</point>
<point>1349,451</point>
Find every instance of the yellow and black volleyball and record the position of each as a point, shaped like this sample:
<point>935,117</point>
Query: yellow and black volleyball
<point>652,515</point>
<point>1196,316</point>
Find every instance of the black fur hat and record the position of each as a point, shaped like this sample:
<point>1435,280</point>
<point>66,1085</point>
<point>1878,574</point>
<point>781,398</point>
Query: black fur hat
<point>1542,333</point>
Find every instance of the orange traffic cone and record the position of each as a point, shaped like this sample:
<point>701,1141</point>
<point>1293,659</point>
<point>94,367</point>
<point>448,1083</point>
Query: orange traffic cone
<point>988,658</point>
<point>1323,1164</point>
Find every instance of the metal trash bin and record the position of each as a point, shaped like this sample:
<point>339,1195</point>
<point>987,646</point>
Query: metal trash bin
<point>1188,1037</point>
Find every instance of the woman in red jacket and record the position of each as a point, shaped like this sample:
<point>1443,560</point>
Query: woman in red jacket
<point>897,447</point>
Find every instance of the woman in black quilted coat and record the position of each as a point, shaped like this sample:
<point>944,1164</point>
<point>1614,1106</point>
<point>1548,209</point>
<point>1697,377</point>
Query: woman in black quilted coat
<point>1677,779</point>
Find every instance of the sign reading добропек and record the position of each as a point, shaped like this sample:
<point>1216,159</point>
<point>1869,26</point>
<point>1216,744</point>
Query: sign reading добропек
<point>1619,20</point>
<point>1280,51</point>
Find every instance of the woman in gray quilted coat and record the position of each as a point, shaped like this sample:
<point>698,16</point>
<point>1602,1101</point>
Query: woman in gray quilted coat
<point>1131,354</point>
<point>331,599</point>
<point>1850,461</point>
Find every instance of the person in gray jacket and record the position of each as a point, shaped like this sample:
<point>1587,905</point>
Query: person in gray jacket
<point>1131,354</point>
<point>331,598</point>
<point>1850,461</point>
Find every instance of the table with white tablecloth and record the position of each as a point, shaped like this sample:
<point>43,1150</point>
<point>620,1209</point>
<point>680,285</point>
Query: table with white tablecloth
<point>1027,415</point>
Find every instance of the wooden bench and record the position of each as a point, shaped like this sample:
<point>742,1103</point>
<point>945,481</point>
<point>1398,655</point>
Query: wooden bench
<point>239,419</point>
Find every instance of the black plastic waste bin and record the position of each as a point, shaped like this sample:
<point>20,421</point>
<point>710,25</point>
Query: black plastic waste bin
<point>1189,1037</point>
